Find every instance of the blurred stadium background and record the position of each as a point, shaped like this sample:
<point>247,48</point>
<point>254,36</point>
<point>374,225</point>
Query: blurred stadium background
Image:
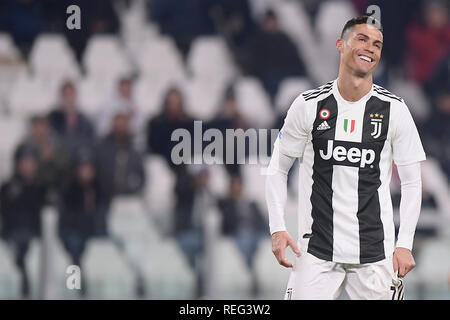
<point>85,123</point>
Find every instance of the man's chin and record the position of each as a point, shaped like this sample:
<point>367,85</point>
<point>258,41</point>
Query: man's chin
<point>362,73</point>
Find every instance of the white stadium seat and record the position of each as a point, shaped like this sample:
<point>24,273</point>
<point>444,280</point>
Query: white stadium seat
<point>259,7</point>
<point>230,275</point>
<point>12,131</point>
<point>433,267</point>
<point>414,97</point>
<point>52,59</point>
<point>289,89</point>
<point>158,58</point>
<point>254,182</point>
<point>128,217</point>
<point>7,46</point>
<point>159,191</point>
<point>11,67</point>
<point>92,95</point>
<point>39,97</point>
<point>107,274</point>
<point>203,98</point>
<point>104,58</point>
<point>10,277</point>
<point>209,59</point>
<point>253,102</point>
<point>166,272</point>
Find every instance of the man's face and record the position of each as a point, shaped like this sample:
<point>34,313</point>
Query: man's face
<point>69,96</point>
<point>121,124</point>
<point>40,129</point>
<point>360,49</point>
<point>27,167</point>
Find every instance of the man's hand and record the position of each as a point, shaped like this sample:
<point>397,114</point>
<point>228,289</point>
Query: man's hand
<point>280,240</point>
<point>403,261</point>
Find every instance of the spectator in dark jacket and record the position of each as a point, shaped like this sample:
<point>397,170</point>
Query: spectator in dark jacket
<point>72,126</point>
<point>81,207</point>
<point>119,166</point>
<point>229,117</point>
<point>243,221</point>
<point>436,130</point>
<point>159,129</point>
<point>53,157</point>
<point>22,199</point>
<point>271,56</point>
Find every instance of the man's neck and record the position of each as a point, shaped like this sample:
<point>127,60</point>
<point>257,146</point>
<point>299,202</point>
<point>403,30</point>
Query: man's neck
<point>353,87</point>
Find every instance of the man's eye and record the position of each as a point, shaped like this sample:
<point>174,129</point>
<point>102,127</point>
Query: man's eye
<point>362,39</point>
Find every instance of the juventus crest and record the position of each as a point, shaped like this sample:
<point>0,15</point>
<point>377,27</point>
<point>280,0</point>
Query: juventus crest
<point>377,121</point>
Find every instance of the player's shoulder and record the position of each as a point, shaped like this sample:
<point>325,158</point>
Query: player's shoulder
<point>385,94</point>
<point>313,94</point>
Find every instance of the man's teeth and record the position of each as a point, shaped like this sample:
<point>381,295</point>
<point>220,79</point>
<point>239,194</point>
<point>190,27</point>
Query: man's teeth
<point>366,58</point>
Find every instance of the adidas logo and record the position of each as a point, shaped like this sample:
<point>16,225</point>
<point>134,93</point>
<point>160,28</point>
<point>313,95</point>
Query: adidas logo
<point>323,126</point>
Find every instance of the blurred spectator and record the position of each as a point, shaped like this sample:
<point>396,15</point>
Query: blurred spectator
<point>53,157</point>
<point>80,206</point>
<point>244,222</point>
<point>232,19</point>
<point>122,99</point>
<point>68,122</point>
<point>23,19</point>
<point>119,166</point>
<point>229,117</point>
<point>182,19</point>
<point>159,129</point>
<point>428,41</point>
<point>271,55</point>
<point>436,131</point>
<point>194,199</point>
<point>22,199</point>
<point>440,78</point>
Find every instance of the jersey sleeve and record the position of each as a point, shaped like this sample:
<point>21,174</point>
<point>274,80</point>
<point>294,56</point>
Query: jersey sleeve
<point>294,133</point>
<point>406,144</point>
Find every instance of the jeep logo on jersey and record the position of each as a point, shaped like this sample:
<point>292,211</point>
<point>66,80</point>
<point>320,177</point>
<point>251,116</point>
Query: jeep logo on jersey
<point>352,156</point>
<point>349,125</point>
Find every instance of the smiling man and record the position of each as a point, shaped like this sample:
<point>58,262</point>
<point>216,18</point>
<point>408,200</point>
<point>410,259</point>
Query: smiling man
<point>346,134</point>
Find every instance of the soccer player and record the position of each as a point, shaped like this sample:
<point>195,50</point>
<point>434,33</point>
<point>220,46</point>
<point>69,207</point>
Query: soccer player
<point>346,134</point>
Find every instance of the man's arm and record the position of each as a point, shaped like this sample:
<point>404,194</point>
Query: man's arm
<point>290,145</point>
<point>411,199</point>
<point>276,195</point>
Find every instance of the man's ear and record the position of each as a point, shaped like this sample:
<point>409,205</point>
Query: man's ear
<point>340,45</point>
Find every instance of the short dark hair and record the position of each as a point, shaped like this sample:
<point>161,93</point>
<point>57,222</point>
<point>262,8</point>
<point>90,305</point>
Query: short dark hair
<point>361,20</point>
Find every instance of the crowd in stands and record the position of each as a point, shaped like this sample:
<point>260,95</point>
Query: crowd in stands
<point>79,164</point>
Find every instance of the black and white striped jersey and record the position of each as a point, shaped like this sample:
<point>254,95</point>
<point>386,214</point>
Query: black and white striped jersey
<point>346,151</point>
